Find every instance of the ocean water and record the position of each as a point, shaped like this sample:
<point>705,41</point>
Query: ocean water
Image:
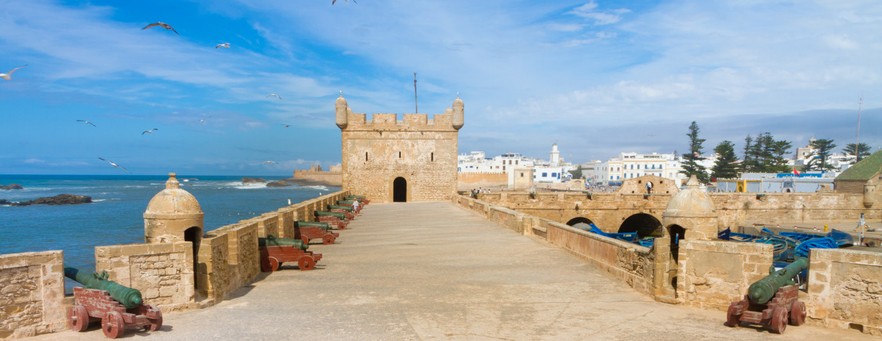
<point>116,214</point>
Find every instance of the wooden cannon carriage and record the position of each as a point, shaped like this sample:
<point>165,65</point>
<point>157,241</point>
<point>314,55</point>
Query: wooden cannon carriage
<point>772,301</point>
<point>313,230</point>
<point>275,251</point>
<point>117,307</point>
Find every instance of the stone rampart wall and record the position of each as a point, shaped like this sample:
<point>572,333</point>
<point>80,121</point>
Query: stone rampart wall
<point>471,180</point>
<point>845,289</point>
<point>267,224</point>
<point>213,272</point>
<point>329,178</point>
<point>162,272</point>
<point>632,264</point>
<point>714,274</point>
<point>31,294</point>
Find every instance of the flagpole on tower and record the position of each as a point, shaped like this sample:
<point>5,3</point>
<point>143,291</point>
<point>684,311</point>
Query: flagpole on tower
<point>416,105</point>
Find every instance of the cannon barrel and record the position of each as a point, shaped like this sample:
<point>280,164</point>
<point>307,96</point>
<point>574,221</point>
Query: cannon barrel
<point>340,207</point>
<point>352,196</point>
<point>761,291</point>
<point>128,297</point>
<point>319,224</point>
<point>347,202</point>
<point>330,214</point>
<point>271,240</point>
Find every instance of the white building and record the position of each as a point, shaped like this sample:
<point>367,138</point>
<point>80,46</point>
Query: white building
<point>632,165</point>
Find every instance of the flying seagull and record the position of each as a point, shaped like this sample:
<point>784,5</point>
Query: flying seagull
<point>224,45</point>
<point>163,25</point>
<point>114,164</point>
<point>286,125</point>
<point>334,1</point>
<point>87,122</point>
<point>275,95</point>
<point>269,162</point>
<point>8,75</point>
<point>149,131</point>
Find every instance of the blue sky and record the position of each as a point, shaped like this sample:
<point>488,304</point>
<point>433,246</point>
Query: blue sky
<point>596,77</point>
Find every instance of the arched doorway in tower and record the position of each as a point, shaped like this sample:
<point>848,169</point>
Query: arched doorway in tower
<point>581,223</point>
<point>677,234</point>
<point>194,236</point>
<point>644,224</point>
<point>399,190</point>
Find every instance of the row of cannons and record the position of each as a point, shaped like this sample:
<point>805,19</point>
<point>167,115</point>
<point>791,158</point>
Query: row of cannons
<point>118,307</point>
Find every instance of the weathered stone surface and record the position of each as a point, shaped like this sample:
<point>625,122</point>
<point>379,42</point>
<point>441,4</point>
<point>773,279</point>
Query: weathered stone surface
<point>248,180</point>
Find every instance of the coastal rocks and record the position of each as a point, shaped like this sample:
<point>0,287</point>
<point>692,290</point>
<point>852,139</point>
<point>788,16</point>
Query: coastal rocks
<point>279,183</point>
<point>61,199</point>
<point>247,180</point>
<point>11,187</point>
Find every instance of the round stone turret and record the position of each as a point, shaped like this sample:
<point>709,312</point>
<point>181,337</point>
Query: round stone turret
<point>173,215</point>
<point>693,210</point>
<point>458,113</point>
<point>342,110</point>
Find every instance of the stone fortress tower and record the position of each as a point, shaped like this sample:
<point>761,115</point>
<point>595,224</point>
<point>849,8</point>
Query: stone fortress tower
<point>174,215</point>
<point>398,161</point>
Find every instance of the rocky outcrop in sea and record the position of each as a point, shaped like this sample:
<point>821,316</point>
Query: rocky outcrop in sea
<point>61,199</point>
<point>11,187</point>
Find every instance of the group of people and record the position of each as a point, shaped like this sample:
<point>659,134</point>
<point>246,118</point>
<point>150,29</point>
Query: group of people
<point>476,191</point>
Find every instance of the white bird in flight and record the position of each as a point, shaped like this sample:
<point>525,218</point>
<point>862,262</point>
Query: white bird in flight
<point>163,25</point>
<point>275,95</point>
<point>114,164</point>
<point>149,131</point>
<point>8,75</point>
<point>269,162</point>
<point>335,1</point>
<point>224,45</point>
<point>87,122</point>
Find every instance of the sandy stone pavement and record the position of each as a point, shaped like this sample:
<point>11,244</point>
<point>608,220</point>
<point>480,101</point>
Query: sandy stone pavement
<point>434,271</point>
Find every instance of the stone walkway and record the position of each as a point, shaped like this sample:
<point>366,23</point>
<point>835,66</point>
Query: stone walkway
<point>433,271</point>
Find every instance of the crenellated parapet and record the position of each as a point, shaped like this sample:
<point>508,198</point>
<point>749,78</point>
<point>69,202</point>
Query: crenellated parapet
<point>451,120</point>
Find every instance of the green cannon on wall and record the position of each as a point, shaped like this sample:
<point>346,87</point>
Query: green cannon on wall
<point>772,301</point>
<point>340,207</point>
<point>271,240</point>
<point>275,251</point>
<point>339,215</point>
<point>314,230</point>
<point>117,306</point>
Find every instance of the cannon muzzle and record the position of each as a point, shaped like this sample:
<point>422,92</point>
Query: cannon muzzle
<point>760,292</point>
<point>128,297</point>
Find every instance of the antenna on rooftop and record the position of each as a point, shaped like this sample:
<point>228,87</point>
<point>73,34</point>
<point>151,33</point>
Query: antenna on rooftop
<point>416,105</point>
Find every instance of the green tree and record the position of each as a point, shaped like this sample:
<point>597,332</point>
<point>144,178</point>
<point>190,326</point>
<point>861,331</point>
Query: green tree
<point>764,154</point>
<point>823,148</point>
<point>862,151</point>
<point>747,163</point>
<point>691,165</point>
<point>726,165</point>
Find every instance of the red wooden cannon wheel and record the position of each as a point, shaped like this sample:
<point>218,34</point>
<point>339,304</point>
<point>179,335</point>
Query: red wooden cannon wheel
<point>112,324</point>
<point>797,313</point>
<point>306,263</point>
<point>155,323</point>
<point>274,264</point>
<point>78,318</point>
<point>305,240</point>
<point>328,239</point>
<point>779,320</point>
<point>731,315</point>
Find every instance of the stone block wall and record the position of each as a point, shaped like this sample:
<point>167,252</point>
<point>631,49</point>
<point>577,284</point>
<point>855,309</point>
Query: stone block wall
<point>243,255</point>
<point>162,272</point>
<point>506,217</point>
<point>845,289</point>
<point>286,221</point>
<point>31,294</point>
<point>714,274</point>
<point>629,263</point>
<point>213,271</point>
<point>267,224</point>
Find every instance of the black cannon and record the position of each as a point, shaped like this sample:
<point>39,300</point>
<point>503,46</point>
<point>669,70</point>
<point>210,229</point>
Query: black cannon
<point>117,306</point>
<point>772,301</point>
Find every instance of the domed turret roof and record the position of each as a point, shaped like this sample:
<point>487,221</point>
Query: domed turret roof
<point>690,202</point>
<point>172,201</point>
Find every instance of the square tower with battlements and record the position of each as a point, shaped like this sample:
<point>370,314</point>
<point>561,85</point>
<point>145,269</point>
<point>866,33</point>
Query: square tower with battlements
<point>388,160</point>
